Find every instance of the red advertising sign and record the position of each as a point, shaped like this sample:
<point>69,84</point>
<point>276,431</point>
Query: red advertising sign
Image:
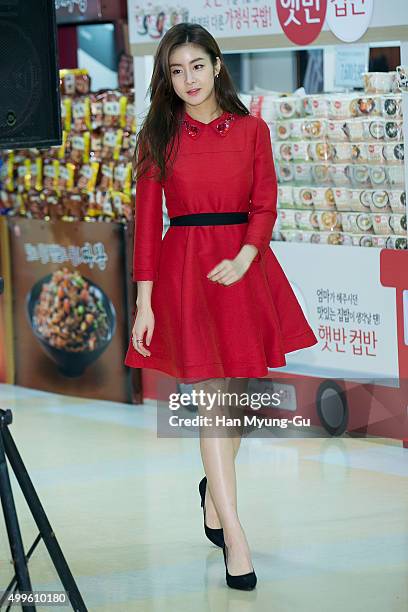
<point>301,20</point>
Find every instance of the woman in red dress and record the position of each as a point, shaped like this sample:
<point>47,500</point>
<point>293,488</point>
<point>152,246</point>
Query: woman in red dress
<point>220,304</point>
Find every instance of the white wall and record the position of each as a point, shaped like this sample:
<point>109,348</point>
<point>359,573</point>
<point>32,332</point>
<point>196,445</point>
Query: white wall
<point>271,70</point>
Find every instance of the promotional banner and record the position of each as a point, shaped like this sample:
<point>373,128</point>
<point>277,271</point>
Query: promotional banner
<point>70,309</point>
<point>148,22</point>
<point>300,21</point>
<point>352,314</point>
<point>88,11</point>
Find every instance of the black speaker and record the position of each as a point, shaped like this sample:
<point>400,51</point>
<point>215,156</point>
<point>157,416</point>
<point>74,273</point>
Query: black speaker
<point>30,112</point>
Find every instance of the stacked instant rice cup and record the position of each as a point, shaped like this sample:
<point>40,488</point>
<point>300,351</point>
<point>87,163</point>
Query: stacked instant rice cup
<point>339,160</point>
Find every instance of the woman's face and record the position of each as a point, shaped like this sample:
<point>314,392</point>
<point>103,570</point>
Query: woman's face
<point>191,69</point>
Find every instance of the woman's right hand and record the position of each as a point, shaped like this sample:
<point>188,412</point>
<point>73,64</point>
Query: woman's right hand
<point>144,322</point>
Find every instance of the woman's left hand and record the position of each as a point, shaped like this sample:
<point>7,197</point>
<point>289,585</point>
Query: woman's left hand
<point>229,271</point>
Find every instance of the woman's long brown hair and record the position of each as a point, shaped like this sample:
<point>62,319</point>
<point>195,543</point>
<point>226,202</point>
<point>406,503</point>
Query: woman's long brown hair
<point>163,119</point>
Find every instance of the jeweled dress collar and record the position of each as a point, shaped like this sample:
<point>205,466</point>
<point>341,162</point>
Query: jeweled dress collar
<point>221,124</point>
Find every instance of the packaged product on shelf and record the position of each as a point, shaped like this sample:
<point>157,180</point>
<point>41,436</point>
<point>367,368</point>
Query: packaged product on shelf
<point>320,173</point>
<point>398,223</point>
<point>272,125</point>
<point>393,129</point>
<point>300,151</point>
<point>391,106</point>
<point>320,151</point>
<point>296,129</point>
<point>288,107</point>
<point>287,219</point>
<point>79,147</point>
<point>378,176</point>
<point>355,129</point>
<point>283,151</point>
<point>122,177</point>
<point>130,118</point>
<point>380,242</point>
<point>265,106</point>
<point>329,220</point>
<point>323,198</point>
<point>87,176</point>
<point>337,130</point>
<point>96,102</point>
<point>395,175</point>
<point>111,143</point>
<point>316,105</point>
<point>74,206</point>
<point>348,239</point>
<point>374,129</point>
<point>302,173</point>
<point>114,109</point>
<point>396,242</point>
<point>292,235</point>
<point>74,81</point>
<point>358,175</point>
<point>360,200</point>
<point>342,198</point>
<point>285,196</point>
<point>393,152</point>
<point>284,171</point>
<point>382,224</point>
<point>340,106</point>
<point>302,197</point>
<point>54,204</point>
<point>122,206</point>
<point>81,114</point>
<point>397,201</point>
<point>357,223</point>
<point>375,152</point>
<point>379,201</point>
<point>105,179</point>
<point>339,174</point>
<point>66,112</point>
<point>50,173</point>
<point>366,106</point>
<point>379,82</point>
<point>359,152</point>
<point>315,129</point>
<point>306,220</point>
<point>76,180</point>
<point>283,130</point>
<point>66,176</point>
<point>334,238</point>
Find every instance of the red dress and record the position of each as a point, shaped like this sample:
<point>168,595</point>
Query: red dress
<point>204,329</point>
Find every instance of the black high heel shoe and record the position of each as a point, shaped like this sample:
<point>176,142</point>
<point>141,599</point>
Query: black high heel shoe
<point>245,582</point>
<point>216,536</point>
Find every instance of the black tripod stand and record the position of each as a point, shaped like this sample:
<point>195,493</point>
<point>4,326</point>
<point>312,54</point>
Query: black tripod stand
<point>21,579</point>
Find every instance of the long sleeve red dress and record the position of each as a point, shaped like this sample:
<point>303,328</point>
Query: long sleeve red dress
<point>204,329</point>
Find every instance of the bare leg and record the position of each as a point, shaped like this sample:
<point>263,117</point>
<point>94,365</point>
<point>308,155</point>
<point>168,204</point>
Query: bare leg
<point>236,386</point>
<point>218,454</point>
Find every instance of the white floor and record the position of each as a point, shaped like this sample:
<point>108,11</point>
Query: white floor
<point>326,519</point>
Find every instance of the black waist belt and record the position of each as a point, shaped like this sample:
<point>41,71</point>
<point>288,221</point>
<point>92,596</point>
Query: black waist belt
<point>224,218</point>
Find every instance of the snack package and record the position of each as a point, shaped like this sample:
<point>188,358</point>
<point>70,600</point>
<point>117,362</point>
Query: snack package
<point>81,114</point>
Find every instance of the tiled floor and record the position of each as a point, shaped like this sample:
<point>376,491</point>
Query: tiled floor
<point>326,519</point>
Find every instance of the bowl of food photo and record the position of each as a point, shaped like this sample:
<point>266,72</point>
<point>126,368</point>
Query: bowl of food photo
<point>72,318</point>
